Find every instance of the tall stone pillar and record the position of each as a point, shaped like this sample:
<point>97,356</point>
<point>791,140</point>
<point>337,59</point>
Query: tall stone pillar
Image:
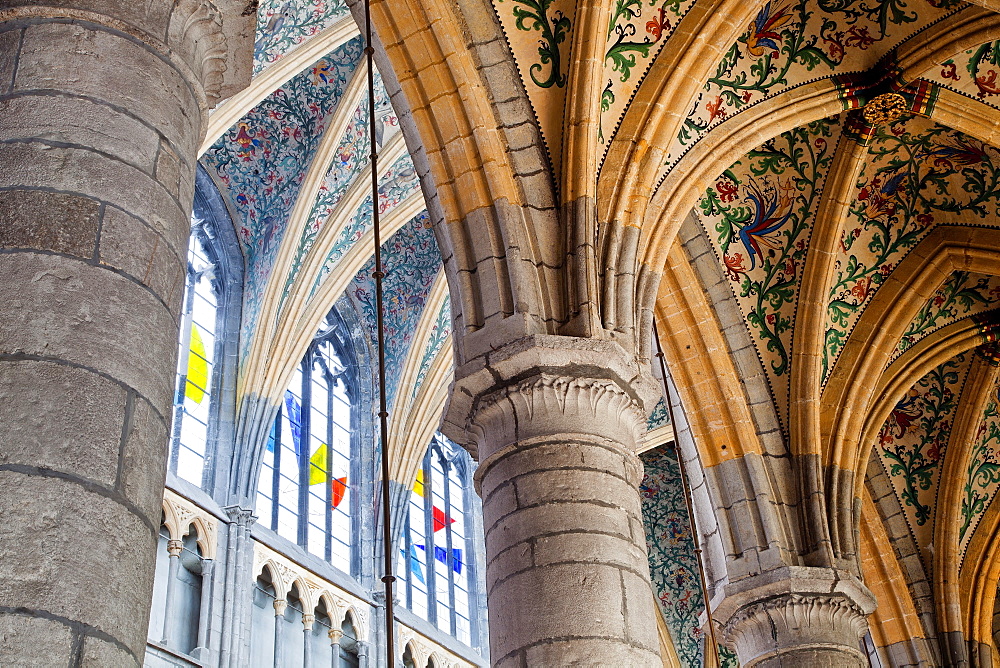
<point>100,116</point>
<point>797,616</point>
<point>556,421</point>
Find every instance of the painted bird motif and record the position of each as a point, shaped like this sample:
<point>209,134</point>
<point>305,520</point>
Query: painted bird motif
<point>762,33</point>
<point>274,26</point>
<point>771,211</point>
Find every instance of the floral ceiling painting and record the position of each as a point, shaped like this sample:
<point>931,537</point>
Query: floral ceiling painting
<point>917,175</point>
<point>758,217</point>
<point>914,440</point>
<point>282,25</point>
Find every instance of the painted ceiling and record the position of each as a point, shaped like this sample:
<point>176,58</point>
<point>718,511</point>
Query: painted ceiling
<point>916,441</point>
<point>914,176</point>
<point>673,566</point>
<point>261,164</point>
<point>759,216</point>
<point>283,25</point>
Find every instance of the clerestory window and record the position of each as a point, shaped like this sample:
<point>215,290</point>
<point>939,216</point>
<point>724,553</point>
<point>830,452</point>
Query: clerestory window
<point>307,480</point>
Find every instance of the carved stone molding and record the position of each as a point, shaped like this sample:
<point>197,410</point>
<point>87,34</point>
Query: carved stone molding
<point>181,515</point>
<point>209,41</point>
<point>797,611</point>
<point>541,386</point>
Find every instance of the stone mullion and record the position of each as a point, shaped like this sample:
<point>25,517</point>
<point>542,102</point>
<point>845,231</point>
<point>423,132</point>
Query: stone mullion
<point>96,185</point>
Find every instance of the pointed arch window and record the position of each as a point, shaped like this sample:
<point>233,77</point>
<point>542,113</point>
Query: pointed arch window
<point>437,567</point>
<point>304,492</point>
<point>196,360</point>
<point>204,396</point>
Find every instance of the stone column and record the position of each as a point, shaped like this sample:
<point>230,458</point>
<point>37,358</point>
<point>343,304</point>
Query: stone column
<point>279,618</point>
<point>363,655</point>
<point>307,626</point>
<point>174,549</point>
<point>101,108</point>
<point>797,616</point>
<point>556,421</point>
<point>202,652</point>
<point>335,635</point>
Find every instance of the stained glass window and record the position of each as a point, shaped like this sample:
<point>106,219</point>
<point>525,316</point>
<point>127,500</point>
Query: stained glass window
<point>193,400</point>
<point>304,489</point>
<point>435,551</point>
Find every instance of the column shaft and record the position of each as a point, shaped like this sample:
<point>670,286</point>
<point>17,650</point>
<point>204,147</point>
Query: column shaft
<point>556,424</point>
<point>101,105</point>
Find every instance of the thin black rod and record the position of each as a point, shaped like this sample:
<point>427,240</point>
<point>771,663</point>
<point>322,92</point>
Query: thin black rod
<point>383,414</point>
<point>688,501</point>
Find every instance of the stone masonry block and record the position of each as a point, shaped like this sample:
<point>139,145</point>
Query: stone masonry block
<point>133,247</point>
<point>49,221</point>
<point>75,120</point>
<point>501,502</point>
<point>144,459</point>
<point>640,610</point>
<point>9,42</point>
<point>150,17</point>
<point>61,418</point>
<point>554,456</point>
<point>589,547</point>
<point>592,652</point>
<point>94,175</point>
<point>536,608</point>
<point>90,64</point>
<point>86,559</point>
<point>576,485</point>
<point>100,654</point>
<point>66,309</point>
<point>18,633</point>
<point>556,518</point>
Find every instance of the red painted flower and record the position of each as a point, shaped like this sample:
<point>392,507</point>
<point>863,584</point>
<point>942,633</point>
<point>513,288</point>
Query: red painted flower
<point>950,71</point>
<point>734,266</point>
<point>859,37</point>
<point>987,84</point>
<point>715,108</point>
<point>659,25</point>
<point>726,189</point>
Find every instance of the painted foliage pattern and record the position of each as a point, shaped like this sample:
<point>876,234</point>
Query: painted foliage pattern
<point>673,567</point>
<point>973,73</point>
<point>790,43</point>
<point>914,439</point>
<point>263,159</point>
<point>637,32</point>
<point>349,160</point>
<point>411,262</point>
<point>917,175</point>
<point>435,342</point>
<point>282,25</point>
<point>397,184</point>
<point>539,35</point>
<point>964,294</point>
<point>660,417</point>
<point>982,478</point>
<point>759,217</point>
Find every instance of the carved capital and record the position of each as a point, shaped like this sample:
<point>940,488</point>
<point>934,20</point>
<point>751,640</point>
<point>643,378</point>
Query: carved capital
<point>335,636</point>
<point>174,547</point>
<point>240,516</point>
<point>804,611</point>
<point>216,39</point>
<point>279,606</point>
<point>541,386</point>
<point>308,620</point>
<point>209,41</point>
